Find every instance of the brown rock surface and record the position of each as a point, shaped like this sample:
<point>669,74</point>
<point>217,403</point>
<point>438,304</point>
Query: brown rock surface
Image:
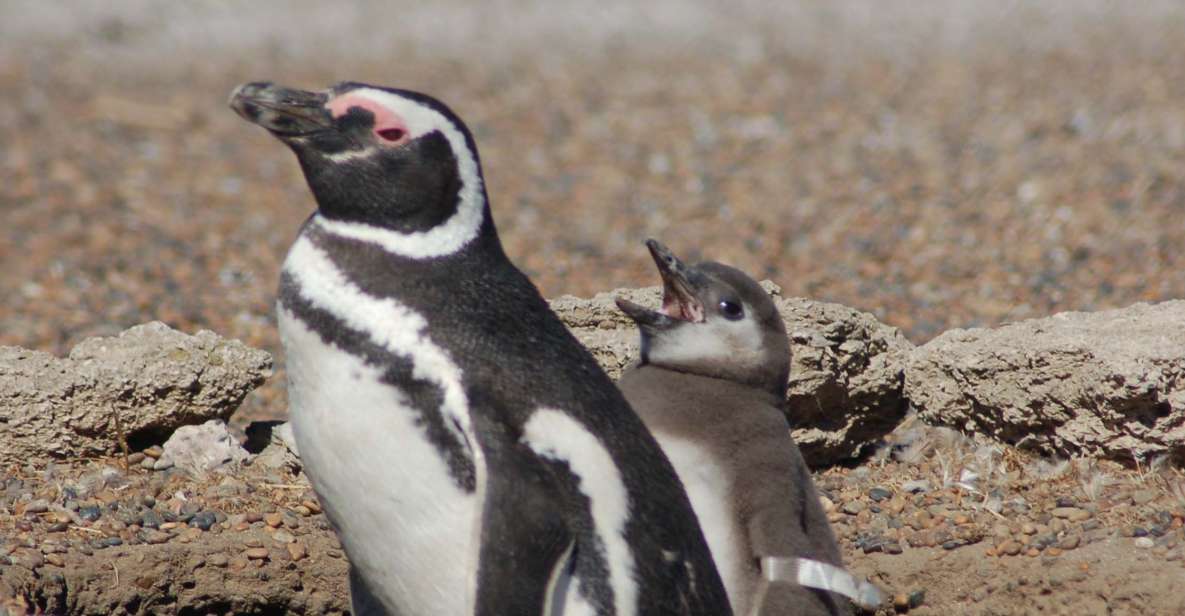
<point>155,378</point>
<point>1109,383</point>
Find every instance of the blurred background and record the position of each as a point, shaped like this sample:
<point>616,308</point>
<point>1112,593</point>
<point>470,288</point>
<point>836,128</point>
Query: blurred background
<point>937,163</point>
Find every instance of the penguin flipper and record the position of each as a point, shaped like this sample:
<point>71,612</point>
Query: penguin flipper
<point>526,542</point>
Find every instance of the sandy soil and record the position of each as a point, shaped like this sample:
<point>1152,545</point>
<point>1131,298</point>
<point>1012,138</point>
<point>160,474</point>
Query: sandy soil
<point>937,164</point>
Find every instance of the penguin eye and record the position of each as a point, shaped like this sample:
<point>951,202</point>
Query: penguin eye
<point>731,310</point>
<point>391,134</point>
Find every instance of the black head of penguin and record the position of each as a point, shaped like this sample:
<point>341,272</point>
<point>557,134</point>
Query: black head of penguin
<point>392,158</point>
<point>715,321</point>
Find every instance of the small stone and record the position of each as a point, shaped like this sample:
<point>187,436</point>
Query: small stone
<point>961,518</point>
<point>38,506</point>
<point>1065,501</point>
<point>253,543</point>
<point>256,553</point>
<point>217,560</point>
<point>156,537</point>
<point>301,510</point>
<point>147,463</point>
<point>1028,529</point>
<point>1011,548</point>
<point>333,553</point>
<point>151,519</point>
<point>58,527</point>
<point>1053,552</point>
<point>916,599</point>
<point>30,560</point>
<point>1143,497</point>
<point>916,486</point>
<point>252,517</point>
<point>154,451</point>
<point>296,551</point>
<point>1069,542</point>
<point>90,512</point>
<point>1143,542</point>
<point>148,500</point>
<point>853,507</point>
<point>55,560</point>
<point>237,564</point>
<point>203,520</point>
<point>162,464</point>
<point>273,519</point>
<point>282,537</point>
<point>311,505</point>
<point>879,494</point>
<point>112,541</point>
<point>1032,552</point>
<point>901,602</point>
<point>136,457</point>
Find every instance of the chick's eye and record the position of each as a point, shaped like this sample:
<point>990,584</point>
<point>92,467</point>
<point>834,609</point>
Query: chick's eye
<point>731,310</point>
<point>391,134</point>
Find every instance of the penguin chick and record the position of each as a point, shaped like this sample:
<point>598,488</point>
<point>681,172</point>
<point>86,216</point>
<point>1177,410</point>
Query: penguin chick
<point>710,386</point>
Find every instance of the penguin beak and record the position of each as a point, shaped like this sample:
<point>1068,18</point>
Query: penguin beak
<point>678,295</point>
<point>286,112</point>
<point>643,316</point>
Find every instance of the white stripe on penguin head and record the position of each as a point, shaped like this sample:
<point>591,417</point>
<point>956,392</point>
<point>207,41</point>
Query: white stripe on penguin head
<point>447,237</point>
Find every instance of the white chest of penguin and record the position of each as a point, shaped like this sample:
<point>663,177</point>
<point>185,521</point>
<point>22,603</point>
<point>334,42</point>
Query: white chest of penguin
<point>709,487</point>
<point>413,532</point>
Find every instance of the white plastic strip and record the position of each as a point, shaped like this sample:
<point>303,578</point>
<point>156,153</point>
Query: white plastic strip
<point>820,575</point>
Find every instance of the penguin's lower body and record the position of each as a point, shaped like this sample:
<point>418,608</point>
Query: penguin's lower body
<point>408,529</point>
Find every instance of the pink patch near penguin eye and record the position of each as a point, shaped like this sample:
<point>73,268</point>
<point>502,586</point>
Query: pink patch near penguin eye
<point>388,126</point>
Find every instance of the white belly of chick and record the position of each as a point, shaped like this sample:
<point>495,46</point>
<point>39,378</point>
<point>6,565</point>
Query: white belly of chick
<point>710,489</point>
<point>405,524</point>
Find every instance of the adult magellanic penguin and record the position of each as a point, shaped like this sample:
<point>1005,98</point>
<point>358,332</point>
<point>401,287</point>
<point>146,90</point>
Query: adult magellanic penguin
<point>710,385</point>
<point>471,455</point>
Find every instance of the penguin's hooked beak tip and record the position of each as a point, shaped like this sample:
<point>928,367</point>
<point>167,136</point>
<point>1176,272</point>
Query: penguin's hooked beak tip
<point>643,316</point>
<point>286,112</point>
<point>678,294</point>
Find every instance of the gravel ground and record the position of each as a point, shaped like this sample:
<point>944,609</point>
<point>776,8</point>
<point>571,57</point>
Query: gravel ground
<point>939,164</point>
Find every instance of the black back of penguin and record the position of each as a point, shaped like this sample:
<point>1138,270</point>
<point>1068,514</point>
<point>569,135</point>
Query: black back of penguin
<point>710,385</point>
<point>403,222</point>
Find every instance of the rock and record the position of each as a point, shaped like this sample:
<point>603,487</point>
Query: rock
<point>296,551</point>
<point>155,377</point>
<point>256,553</point>
<point>280,452</point>
<point>846,371</point>
<point>879,494</point>
<point>1143,542</point>
<point>916,486</point>
<point>202,520</point>
<point>1101,384</point>
<point>200,449</point>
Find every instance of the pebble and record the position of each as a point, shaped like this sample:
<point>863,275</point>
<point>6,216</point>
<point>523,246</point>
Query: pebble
<point>1028,529</point>
<point>136,457</point>
<point>1069,542</point>
<point>156,537</point>
<point>203,520</point>
<point>1143,497</point>
<point>312,505</point>
<point>154,451</point>
<point>1011,548</point>
<point>37,506</point>
<point>90,512</point>
<point>879,494</point>
<point>296,551</point>
<point>282,537</point>
<point>252,517</point>
<point>58,527</point>
<point>916,486</point>
<point>1073,514</point>
<point>1143,542</point>
<point>853,507</point>
<point>273,519</point>
<point>217,560</point>
<point>151,519</point>
<point>147,463</point>
<point>256,553</point>
<point>111,541</point>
